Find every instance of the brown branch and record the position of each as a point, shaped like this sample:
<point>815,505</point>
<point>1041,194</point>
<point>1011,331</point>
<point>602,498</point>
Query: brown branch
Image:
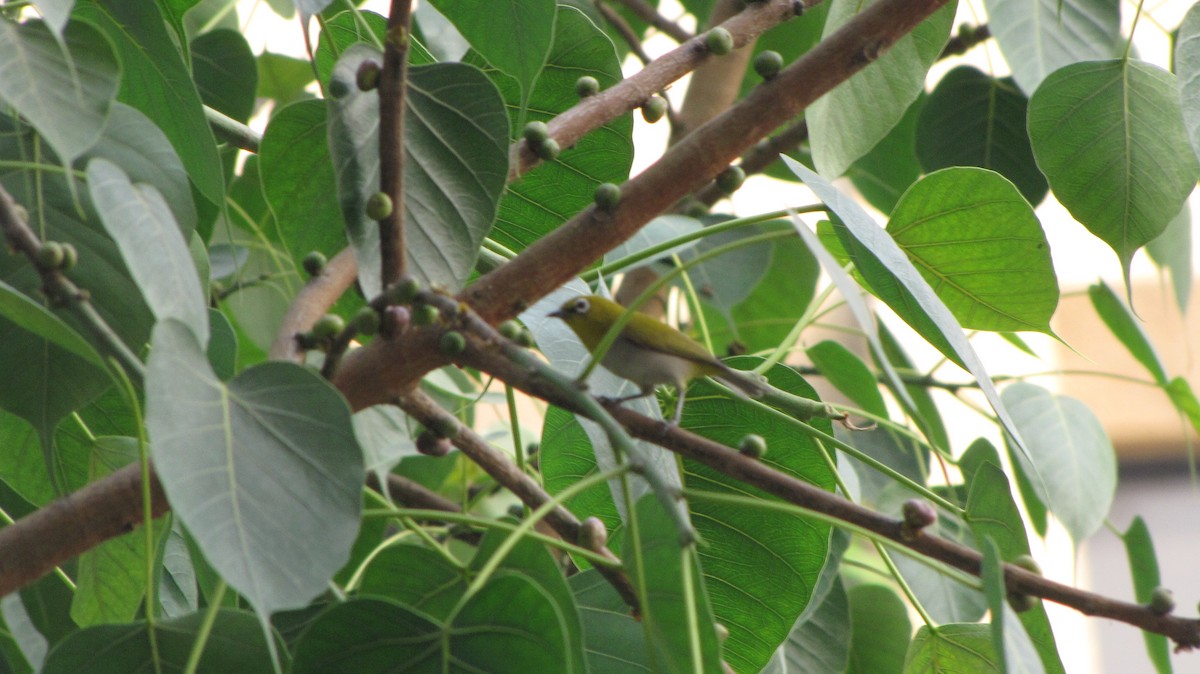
<point>313,300</point>
<point>644,11</point>
<point>484,354</point>
<point>422,408</point>
<point>393,80</point>
<point>715,84</point>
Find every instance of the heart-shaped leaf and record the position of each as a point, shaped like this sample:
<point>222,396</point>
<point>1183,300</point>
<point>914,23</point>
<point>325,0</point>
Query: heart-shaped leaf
<point>1040,36</point>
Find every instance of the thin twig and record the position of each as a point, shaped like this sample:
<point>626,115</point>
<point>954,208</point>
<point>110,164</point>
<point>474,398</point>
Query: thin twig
<point>232,131</point>
<point>393,79</point>
<point>642,10</point>
<point>626,31</point>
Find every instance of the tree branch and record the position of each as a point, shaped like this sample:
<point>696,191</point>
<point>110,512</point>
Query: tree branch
<point>393,79</point>
<point>647,13</point>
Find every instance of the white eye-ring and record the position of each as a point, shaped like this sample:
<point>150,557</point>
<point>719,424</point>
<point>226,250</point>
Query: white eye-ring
<point>581,306</point>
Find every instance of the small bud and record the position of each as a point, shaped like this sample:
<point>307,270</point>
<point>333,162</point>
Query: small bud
<point>70,256</point>
<point>753,446</point>
<point>593,535</point>
<point>607,197</point>
<point>395,320</point>
<point>917,514</point>
<point>367,75</point>
<point>430,444</point>
<point>731,179</point>
<point>536,133</point>
<point>1021,602</point>
<point>768,64</point>
<point>366,321</point>
<point>510,330</point>
<point>452,343</point>
<point>423,314</point>
<point>587,86</point>
<point>1162,601</point>
<point>379,206</point>
<point>1028,563</point>
<point>547,149</point>
<point>654,109</point>
<point>314,263</point>
<point>525,339</point>
<point>402,291</point>
<point>718,41</point>
<point>50,255</point>
<point>328,326</point>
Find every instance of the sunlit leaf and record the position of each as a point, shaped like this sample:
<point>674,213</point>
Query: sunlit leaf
<point>1039,37</point>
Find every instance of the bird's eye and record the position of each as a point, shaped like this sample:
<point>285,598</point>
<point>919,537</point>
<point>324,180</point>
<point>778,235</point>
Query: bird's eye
<point>580,307</point>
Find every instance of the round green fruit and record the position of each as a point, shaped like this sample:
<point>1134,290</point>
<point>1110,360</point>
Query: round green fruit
<point>718,41</point>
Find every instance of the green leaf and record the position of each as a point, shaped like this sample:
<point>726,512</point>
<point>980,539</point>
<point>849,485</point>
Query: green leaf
<point>131,141</point>
<point>880,630</point>
<point>1107,135</point>
<point>20,628</point>
<point>979,245</point>
<point>514,36</point>
<point>850,120</point>
<point>1143,566</point>
<point>1014,650</point>
<point>728,279</point>
<point>1184,400</point>
<point>616,642</point>
<point>566,457</point>
<point>63,89</point>
<point>508,627</point>
<point>760,567</point>
<point>848,374</point>
<point>264,471</point>
<point>675,607</point>
<point>298,181</point>
<point>884,173</point>
<point>455,139</point>
<point>820,640</point>
<point>1187,67</point>
<point>139,221</point>
<point>177,592</point>
<point>225,72</point>
<point>345,29</point>
<point>283,78</point>
<point>222,345</point>
<point>155,80</point>
<point>955,647</point>
<point>992,513</point>
<point>1172,252</point>
<point>417,577</point>
<point>1124,326</point>
<point>1039,37</point>
<point>973,119</point>
<point>1069,450</point>
<point>55,13</point>
<point>235,645</point>
<point>32,317</point>
<point>555,191</point>
<point>886,266</point>
<point>925,411</point>
<point>383,434</point>
<point>762,320</point>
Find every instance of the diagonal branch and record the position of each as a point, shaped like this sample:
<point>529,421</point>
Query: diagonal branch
<point>644,11</point>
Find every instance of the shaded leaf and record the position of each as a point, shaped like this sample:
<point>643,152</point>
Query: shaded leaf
<point>1143,566</point>
<point>1172,252</point>
<point>264,471</point>
<point>225,72</point>
<point>884,173</point>
<point>973,119</point>
<point>880,630</point>
<point>848,374</point>
<point>955,647</point>
<point>1039,37</point>
<point>1124,326</point>
<point>615,640</point>
<point>1187,67</point>
<point>1107,135</point>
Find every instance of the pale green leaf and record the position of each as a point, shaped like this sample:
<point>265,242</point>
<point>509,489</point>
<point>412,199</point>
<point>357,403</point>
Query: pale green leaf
<point>1039,37</point>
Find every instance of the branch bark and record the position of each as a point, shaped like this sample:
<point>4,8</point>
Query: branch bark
<point>393,79</point>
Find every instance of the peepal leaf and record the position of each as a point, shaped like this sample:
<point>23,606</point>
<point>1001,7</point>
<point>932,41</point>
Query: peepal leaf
<point>978,244</point>
<point>264,471</point>
<point>1125,327</point>
<point>1107,135</point>
<point>1070,450</point>
<point>1187,67</point>
<point>1143,567</point>
<point>140,222</point>
<point>456,164</point>
<point>64,90</point>
<point>1040,36</point>
<point>882,253</point>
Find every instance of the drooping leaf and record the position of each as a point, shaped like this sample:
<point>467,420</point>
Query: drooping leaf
<point>140,222</point>
<point>675,604</point>
<point>850,120</point>
<point>1012,646</point>
<point>555,191</point>
<point>760,567</point>
<point>973,119</point>
<point>155,80</point>
<point>882,259</point>
<point>954,647</point>
<point>616,642</point>
<point>25,314</point>
<point>63,89</point>
<point>1107,135</point>
<point>1143,566</point>
<point>515,36</point>
<point>225,72</point>
<point>1184,399</point>
<point>265,471</point>
<point>235,645</point>
<point>456,162</point>
<point>1039,37</point>
<point>283,78</point>
<point>848,374</point>
<point>980,247</point>
<point>880,630</point>
<point>1172,252</point>
<point>1071,451</point>
<point>1125,328</point>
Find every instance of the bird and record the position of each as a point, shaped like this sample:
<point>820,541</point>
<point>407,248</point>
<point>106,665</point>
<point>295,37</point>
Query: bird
<point>649,352</point>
